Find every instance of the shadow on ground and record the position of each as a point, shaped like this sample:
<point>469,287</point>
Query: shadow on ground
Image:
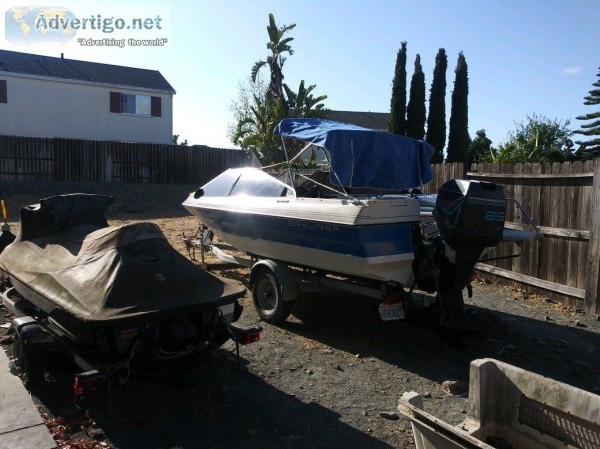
<point>215,405</point>
<point>349,323</point>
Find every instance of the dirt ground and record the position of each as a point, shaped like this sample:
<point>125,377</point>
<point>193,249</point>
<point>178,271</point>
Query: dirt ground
<point>322,379</point>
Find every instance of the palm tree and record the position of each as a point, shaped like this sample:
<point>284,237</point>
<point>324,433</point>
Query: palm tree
<point>278,46</point>
<point>303,103</point>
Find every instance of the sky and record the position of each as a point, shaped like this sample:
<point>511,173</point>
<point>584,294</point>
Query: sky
<point>524,56</point>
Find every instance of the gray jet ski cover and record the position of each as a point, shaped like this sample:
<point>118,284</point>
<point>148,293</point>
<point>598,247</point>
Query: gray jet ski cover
<point>67,253</point>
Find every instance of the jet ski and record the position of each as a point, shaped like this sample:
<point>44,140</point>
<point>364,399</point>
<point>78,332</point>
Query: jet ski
<point>119,296</point>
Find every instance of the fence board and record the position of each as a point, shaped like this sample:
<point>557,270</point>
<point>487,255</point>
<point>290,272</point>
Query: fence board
<point>73,160</point>
<point>592,289</point>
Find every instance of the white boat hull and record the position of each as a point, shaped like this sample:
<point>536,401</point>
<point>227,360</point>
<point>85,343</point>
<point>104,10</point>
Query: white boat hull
<point>369,239</point>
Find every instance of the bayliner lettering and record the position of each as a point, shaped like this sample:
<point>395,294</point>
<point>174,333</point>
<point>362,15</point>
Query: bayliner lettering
<point>314,226</point>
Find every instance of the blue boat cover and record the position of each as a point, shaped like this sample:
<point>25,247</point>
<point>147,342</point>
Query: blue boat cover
<point>364,157</point>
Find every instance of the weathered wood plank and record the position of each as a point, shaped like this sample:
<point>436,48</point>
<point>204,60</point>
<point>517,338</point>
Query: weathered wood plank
<point>563,202</point>
<point>585,223</point>
<point>530,280</point>
<point>592,286</point>
<point>572,219</point>
<point>545,220</point>
<point>555,232</point>
<point>524,176</point>
<point>534,213</point>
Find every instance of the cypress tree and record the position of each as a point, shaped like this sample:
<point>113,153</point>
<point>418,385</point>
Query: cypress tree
<point>591,129</point>
<point>415,112</point>
<point>436,121</point>
<point>397,124</point>
<point>458,136</point>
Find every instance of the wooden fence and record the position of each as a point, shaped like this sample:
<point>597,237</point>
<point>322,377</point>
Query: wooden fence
<point>563,200</point>
<point>72,160</point>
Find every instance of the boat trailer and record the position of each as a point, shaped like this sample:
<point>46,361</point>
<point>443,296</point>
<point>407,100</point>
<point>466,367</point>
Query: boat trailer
<point>468,217</point>
<point>35,338</point>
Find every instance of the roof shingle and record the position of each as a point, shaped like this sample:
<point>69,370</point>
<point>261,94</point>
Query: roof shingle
<point>371,120</point>
<point>93,72</point>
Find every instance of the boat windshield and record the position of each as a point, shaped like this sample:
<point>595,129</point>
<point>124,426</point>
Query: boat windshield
<point>222,184</point>
<point>258,183</point>
<point>248,182</point>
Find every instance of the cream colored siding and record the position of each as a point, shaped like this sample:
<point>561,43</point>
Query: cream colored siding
<point>70,109</point>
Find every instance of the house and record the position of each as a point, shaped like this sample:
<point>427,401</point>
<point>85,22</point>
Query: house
<point>43,96</point>
<point>372,120</point>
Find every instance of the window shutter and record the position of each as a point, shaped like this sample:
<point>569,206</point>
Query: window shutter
<point>3,92</point>
<point>156,107</point>
<point>115,102</point>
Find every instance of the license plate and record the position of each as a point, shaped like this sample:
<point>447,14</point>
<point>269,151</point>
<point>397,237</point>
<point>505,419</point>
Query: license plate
<point>390,312</point>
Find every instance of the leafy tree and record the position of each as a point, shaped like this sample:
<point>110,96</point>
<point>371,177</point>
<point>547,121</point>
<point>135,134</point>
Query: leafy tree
<point>303,103</point>
<point>254,131</point>
<point>278,46</point>
<point>415,112</point>
<point>592,128</point>
<point>436,121</point>
<point>480,148</point>
<point>177,142</point>
<point>458,137</point>
<point>538,139</point>
<point>397,124</point>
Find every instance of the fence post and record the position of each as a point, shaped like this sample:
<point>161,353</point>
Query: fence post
<point>592,285</point>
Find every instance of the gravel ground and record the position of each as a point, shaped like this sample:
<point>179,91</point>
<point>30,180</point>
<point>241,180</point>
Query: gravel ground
<point>325,377</point>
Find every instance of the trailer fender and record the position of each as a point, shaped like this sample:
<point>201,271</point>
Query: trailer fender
<point>285,277</point>
<point>29,347</point>
<point>25,326</point>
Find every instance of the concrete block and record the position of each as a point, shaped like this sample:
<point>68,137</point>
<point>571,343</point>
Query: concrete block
<point>512,406</point>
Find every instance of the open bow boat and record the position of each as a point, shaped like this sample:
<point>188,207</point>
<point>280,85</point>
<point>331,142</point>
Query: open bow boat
<point>368,221</point>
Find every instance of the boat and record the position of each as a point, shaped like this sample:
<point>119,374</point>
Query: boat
<point>118,296</point>
<point>368,222</point>
<point>355,235</point>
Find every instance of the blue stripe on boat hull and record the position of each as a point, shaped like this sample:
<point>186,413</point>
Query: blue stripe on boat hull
<point>360,241</point>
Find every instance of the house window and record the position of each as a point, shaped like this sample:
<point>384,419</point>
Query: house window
<point>3,92</point>
<point>142,105</point>
<point>135,104</point>
<point>128,104</point>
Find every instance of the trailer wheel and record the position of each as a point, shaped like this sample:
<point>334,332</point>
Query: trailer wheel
<point>29,362</point>
<point>268,301</point>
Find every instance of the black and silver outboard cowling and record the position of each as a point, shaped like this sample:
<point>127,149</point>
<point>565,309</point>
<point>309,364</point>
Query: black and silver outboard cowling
<point>470,217</point>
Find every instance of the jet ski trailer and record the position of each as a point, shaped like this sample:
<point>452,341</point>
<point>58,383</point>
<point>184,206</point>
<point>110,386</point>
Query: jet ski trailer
<point>115,300</point>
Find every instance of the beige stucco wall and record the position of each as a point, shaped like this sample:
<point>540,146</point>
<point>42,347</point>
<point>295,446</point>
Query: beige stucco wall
<point>53,108</point>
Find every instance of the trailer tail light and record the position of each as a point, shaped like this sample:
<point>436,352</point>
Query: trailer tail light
<point>88,381</point>
<point>245,336</point>
<point>395,297</point>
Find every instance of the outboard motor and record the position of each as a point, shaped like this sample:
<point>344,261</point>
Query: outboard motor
<point>470,217</point>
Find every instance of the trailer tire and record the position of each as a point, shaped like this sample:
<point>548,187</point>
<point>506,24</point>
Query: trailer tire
<point>267,297</point>
<point>29,362</point>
